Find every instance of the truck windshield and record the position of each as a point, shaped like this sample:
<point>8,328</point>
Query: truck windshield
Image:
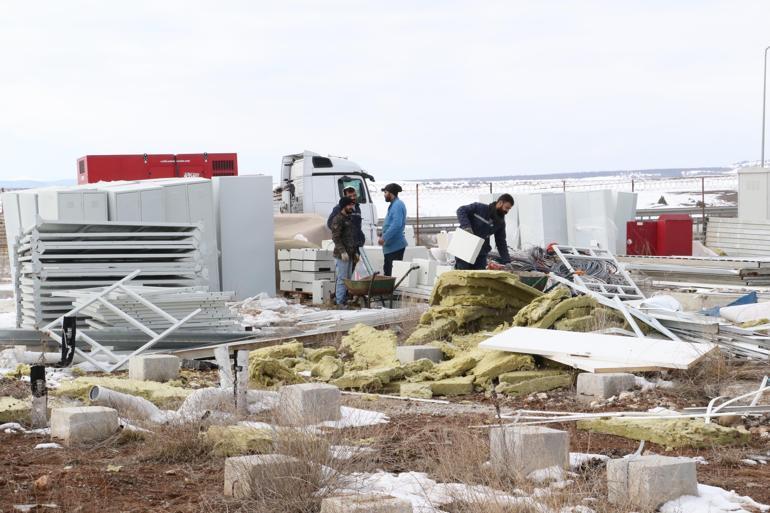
<point>358,184</point>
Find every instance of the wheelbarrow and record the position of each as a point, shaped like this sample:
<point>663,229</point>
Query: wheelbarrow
<point>375,285</point>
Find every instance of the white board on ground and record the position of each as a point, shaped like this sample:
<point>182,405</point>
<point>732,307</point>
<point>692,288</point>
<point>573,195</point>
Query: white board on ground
<point>606,348</point>
<point>465,246</point>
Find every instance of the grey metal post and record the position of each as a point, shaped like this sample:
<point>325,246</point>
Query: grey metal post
<point>764,104</point>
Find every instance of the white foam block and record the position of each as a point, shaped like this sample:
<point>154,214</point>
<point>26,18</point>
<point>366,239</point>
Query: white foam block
<point>465,246</point>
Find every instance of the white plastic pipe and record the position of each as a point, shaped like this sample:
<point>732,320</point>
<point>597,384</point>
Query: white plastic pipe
<point>137,407</point>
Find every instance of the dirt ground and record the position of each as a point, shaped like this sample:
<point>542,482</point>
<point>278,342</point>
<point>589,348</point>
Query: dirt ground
<point>116,476</point>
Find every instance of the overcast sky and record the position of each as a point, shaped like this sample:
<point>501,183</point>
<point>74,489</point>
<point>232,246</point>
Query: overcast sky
<point>408,89</point>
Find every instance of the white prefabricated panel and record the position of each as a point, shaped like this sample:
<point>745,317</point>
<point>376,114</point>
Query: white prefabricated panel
<point>597,219</point>
<point>542,218</point>
<point>244,222</point>
<point>27,209</point>
<point>754,193</point>
<point>12,218</point>
<point>175,202</point>
<point>60,205</point>
<point>125,205</point>
<point>95,206</point>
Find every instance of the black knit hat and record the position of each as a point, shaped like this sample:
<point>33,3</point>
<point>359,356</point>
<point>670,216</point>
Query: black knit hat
<point>345,201</point>
<point>393,188</point>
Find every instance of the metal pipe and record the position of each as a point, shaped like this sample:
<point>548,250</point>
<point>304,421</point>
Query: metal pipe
<point>764,105</point>
<point>417,224</point>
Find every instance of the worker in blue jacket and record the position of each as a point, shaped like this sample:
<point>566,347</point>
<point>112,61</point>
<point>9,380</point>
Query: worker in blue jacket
<point>484,220</point>
<point>392,240</point>
<point>355,216</point>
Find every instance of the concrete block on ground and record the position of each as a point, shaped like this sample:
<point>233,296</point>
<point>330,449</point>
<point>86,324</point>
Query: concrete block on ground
<point>598,387</point>
<point>323,290</point>
<point>83,424</point>
<point>646,482</point>
<point>406,354</point>
<point>308,403</point>
<point>244,475</point>
<point>154,367</point>
<point>365,503</point>
<point>524,449</point>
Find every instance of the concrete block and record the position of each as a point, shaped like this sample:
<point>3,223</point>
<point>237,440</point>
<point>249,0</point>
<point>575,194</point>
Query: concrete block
<point>308,403</point>
<point>597,387</point>
<point>286,284</point>
<point>315,266</point>
<point>646,482</point>
<point>284,265</point>
<point>296,253</point>
<point>310,277</point>
<point>284,254</point>
<point>400,268</point>
<point>322,291</point>
<point>83,424</point>
<point>366,503</point>
<point>406,354</point>
<point>427,272</point>
<point>154,367</point>
<point>296,265</point>
<point>245,474</point>
<point>524,449</point>
<point>317,254</point>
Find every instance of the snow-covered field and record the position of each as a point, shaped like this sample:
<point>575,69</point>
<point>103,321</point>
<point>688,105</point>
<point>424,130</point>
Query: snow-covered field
<point>441,198</point>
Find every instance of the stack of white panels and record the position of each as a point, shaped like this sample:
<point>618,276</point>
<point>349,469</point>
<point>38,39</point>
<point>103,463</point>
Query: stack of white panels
<point>542,218</point>
<point>55,256</point>
<point>301,267</point>
<point>597,219</point>
<point>179,302</point>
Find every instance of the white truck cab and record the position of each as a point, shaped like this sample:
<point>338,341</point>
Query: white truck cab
<point>312,183</point>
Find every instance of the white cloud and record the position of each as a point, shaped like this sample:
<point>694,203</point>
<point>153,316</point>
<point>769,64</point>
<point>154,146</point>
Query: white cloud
<point>407,89</point>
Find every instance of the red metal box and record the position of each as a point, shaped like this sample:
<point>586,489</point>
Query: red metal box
<point>107,168</point>
<point>675,235</point>
<point>642,238</point>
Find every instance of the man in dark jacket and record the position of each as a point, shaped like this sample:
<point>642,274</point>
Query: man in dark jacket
<point>483,221</point>
<point>351,193</point>
<point>345,247</point>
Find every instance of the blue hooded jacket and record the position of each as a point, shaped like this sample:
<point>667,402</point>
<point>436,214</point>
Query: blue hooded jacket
<point>393,227</point>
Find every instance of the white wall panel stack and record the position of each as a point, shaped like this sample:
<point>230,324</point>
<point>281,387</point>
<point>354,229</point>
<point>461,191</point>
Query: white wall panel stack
<point>55,256</point>
<point>597,219</point>
<point>542,218</point>
<point>244,207</point>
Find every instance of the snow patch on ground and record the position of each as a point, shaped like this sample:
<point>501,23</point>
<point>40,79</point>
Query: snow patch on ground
<point>578,459</point>
<point>713,499</point>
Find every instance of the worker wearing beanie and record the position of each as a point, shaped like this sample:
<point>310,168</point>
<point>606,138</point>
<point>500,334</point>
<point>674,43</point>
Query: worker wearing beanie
<point>392,240</point>
<point>486,220</point>
<point>345,247</point>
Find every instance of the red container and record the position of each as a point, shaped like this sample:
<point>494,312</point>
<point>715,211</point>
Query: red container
<point>107,168</point>
<point>642,238</point>
<point>675,235</point>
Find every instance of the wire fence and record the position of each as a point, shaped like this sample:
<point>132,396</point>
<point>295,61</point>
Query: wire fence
<point>437,199</point>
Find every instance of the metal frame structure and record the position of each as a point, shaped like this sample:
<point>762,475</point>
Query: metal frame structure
<point>624,291</point>
<point>115,362</point>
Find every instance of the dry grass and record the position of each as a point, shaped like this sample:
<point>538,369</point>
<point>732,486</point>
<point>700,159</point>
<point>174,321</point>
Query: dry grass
<point>177,443</point>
